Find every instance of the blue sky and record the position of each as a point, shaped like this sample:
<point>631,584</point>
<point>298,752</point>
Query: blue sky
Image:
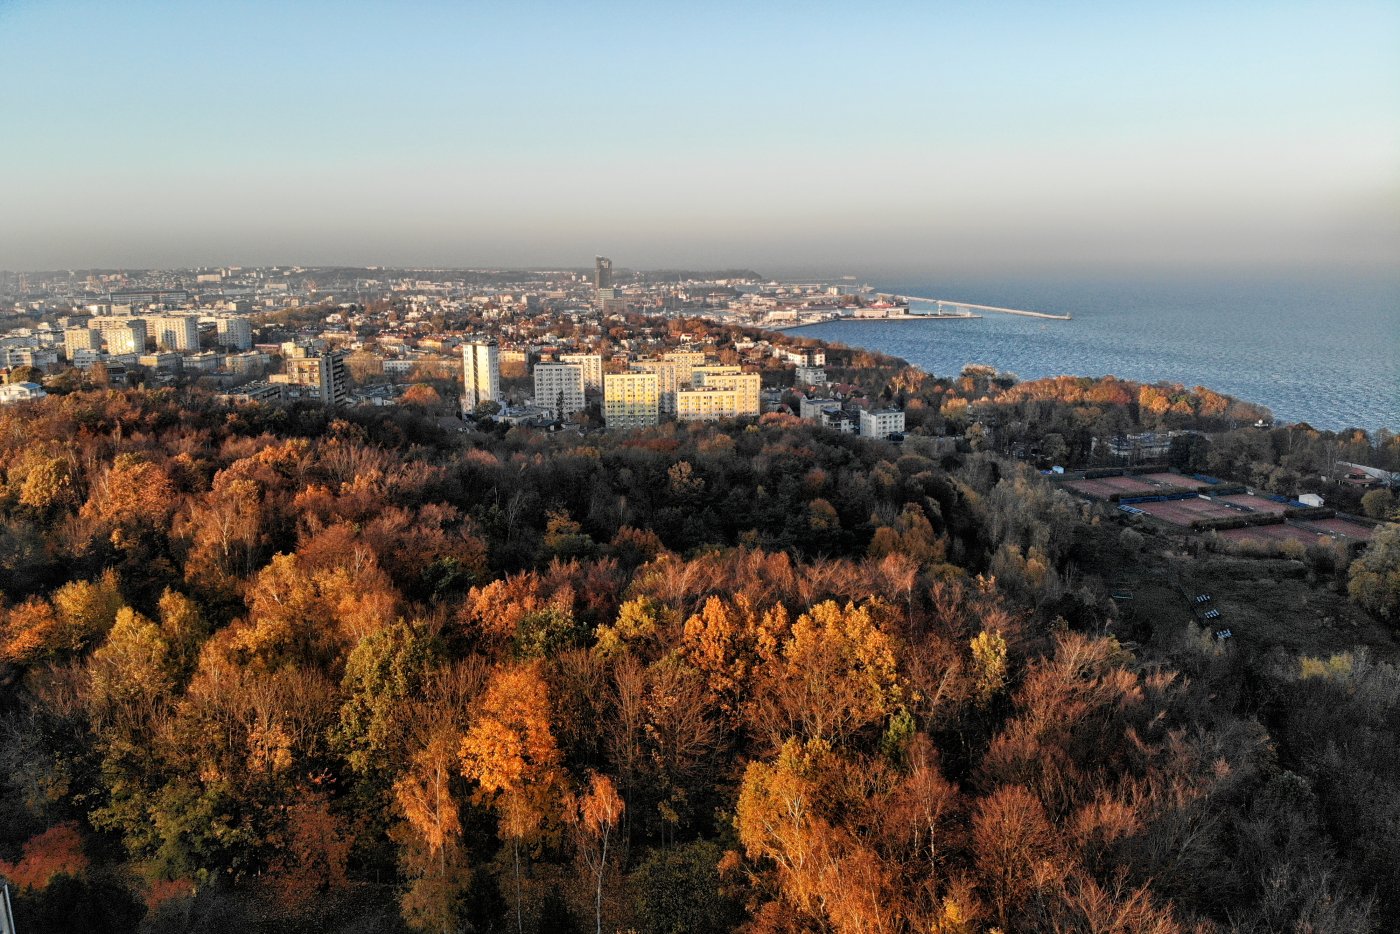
<point>873,136</point>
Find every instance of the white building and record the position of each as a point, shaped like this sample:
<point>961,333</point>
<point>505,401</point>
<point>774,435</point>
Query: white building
<point>706,404</point>
<point>28,356</point>
<point>592,364</point>
<point>235,332</point>
<point>631,400</point>
<point>810,376</point>
<point>882,423</point>
<point>481,374</point>
<point>247,363</point>
<point>75,339</point>
<point>20,392</point>
<point>559,388</point>
<point>323,372</point>
<point>806,356</point>
<point>174,332</point>
<point>121,335</point>
<point>745,386</point>
<point>812,409</point>
<point>167,360</point>
<point>668,379</point>
<point>83,358</point>
<point>687,358</point>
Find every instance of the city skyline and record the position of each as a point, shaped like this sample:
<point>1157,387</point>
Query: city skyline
<point>892,139</point>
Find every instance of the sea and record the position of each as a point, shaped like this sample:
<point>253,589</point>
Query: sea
<point>1321,350</point>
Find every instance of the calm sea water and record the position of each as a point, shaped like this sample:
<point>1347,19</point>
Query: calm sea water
<point>1324,352</point>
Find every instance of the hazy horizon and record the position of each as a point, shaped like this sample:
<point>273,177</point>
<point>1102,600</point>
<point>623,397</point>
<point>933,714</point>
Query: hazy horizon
<point>894,140</point>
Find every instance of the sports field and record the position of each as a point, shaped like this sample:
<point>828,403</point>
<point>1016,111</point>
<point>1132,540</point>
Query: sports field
<point>1104,487</point>
<point>1186,511</point>
<point>1352,530</point>
<point>1171,481</point>
<point>1270,535</point>
<point>1256,503</point>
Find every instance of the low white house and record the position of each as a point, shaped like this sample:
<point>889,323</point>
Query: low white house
<point>20,392</point>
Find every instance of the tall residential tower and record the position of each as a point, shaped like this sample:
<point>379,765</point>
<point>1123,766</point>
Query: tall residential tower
<point>481,374</point>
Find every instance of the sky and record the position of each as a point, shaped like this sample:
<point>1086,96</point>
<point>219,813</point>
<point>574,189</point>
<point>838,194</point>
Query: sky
<point>862,136</point>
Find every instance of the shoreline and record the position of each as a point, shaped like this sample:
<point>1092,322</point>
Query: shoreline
<point>810,324</point>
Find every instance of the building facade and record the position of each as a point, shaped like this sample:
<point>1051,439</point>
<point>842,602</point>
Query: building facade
<point>481,374</point>
<point>592,364</point>
<point>668,380</point>
<point>631,400</point>
<point>174,332</point>
<point>706,404</point>
<point>745,386</point>
<point>324,372</point>
<point>76,339</point>
<point>235,332</point>
<point>121,335</point>
<point>559,388</point>
<point>882,423</point>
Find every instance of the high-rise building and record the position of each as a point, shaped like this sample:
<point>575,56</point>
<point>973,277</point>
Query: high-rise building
<point>668,379</point>
<point>630,400</point>
<point>592,364</point>
<point>235,332</point>
<point>746,386</point>
<point>689,358</point>
<point>324,371</point>
<point>121,334</point>
<point>76,339</point>
<point>559,388</point>
<point>174,332</point>
<point>706,404</point>
<point>481,374</point>
<point>602,273</point>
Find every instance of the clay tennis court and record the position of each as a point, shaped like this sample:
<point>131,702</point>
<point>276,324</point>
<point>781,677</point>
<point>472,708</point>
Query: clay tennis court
<point>1171,481</point>
<point>1104,487</point>
<point>1186,511</point>
<point>1257,503</point>
<point>1270,534</point>
<point>1352,530</point>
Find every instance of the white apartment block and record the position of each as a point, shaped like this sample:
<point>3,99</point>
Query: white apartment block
<point>166,360</point>
<point>745,386</point>
<point>559,388</point>
<point>810,376</point>
<point>687,358</point>
<point>668,379</point>
<point>631,400</point>
<point>82,358</point>
<point>881,424</point>
<point>481,374</point>
<point>235,332</point>
<point>806,356</point>
<point>247,363</point>
<point>706,404</point>
<point>75,339</point>
<point>592,364</point>
<point>174,332</point>
<point>812,409</point>
<point>28,356</point>
<point>122,335</point>
<point>325,372</point>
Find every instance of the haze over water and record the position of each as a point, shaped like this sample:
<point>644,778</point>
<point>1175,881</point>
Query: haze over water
<point>1322,351</point>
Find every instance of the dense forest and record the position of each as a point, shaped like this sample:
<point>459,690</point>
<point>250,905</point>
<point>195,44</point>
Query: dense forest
<point>285,669</point>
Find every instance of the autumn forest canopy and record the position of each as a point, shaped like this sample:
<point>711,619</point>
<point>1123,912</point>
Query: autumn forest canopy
<point>290,669</point>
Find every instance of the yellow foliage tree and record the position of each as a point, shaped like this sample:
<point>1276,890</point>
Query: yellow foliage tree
<point>511,754</point>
